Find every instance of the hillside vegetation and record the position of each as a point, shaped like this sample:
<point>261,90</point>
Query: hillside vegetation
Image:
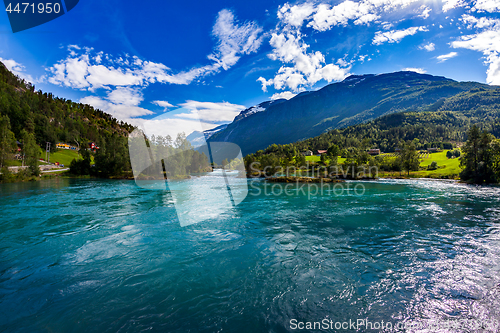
<point>50,118</point>
<point>356,100</point>
<point>34,118</point>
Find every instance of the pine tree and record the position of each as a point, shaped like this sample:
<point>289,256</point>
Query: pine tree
<point>7,140</point>
<point>31,152</point>
<point>477,159</point>
<point>409,157</point>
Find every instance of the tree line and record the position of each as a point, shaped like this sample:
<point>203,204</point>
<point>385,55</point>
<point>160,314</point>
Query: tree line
<point>481,158</point>
<point>159,157</point>
<point>29,119</point>
<point>404,134</point>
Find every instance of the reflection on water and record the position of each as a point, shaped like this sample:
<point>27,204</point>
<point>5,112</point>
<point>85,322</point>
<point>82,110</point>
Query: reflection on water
<point>91,255</point>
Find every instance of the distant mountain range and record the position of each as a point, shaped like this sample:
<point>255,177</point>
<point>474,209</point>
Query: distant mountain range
<point>198,138</point>
<point>357,99</point>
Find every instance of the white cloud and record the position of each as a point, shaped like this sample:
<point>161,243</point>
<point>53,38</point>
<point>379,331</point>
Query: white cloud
<point>444,57</point>
<point>480,23</point>
<point>303,67</point>
<point>307,68</point>
<point>125,76</point>
<point>284,94</point>
<point>327,16</point>
<point>163,104</point>
<point>395,36</point>
<point>210,112</point>
<point>363,58</point>
<point>172,126</point>
<point>295,15</point>
<point>416,70</point>
<point>387,25</point>
<point>192,116</point>
<point>125,96</point>
<point>490,6</point>
<point>487,42</point>
<point>425,12</point>
<point>323,16</point>
<point>122,103</point>
<point>17,69</point>
<point>234,40</point>
<point>88,70</point>
<point>451,4</point>
<point>119,111</point>
<point>428,47</point>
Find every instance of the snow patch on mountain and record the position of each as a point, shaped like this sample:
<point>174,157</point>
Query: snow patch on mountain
<point>198,138</point>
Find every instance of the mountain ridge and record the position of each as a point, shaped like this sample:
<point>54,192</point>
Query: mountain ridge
<point>356,99</point>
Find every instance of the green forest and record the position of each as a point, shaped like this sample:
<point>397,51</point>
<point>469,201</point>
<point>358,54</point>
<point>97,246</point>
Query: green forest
<point>159,157</point>
<point>402,136</point>
<point>30,119</point>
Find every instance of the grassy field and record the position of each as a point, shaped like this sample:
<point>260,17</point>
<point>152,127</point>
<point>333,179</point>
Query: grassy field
<point>315,158</point>
<point>63,156</point>
<point>13,163</point>
<point>447,168</point>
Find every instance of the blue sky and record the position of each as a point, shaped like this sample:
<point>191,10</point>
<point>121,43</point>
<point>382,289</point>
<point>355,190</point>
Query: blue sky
<point>211,59</point>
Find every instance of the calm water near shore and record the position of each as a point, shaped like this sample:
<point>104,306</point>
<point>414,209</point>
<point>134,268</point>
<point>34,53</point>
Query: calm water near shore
<point>79,255</point>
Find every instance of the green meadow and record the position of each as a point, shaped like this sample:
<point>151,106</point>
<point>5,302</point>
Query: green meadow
<point>447,168</point>
<point>63,156</point>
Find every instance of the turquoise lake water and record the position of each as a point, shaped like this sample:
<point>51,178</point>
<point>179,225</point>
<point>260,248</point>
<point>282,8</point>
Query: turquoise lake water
<point>108,256</point>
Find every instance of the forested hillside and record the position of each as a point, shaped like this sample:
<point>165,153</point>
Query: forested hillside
<point>355,100</point>
<point>52,119</point>
<point>34,118</point>
<point>429,127</point>
<point>445,128</point>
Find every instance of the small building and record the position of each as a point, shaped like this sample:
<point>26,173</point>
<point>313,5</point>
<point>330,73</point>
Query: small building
<point>307,153</point>
<point>321,152</point>
<point>432,150</point>
<point>93,147</point>
<point>62,146</point>
<point>374,151</point>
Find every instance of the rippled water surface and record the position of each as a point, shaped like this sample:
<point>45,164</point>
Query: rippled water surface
<point>108,256</point>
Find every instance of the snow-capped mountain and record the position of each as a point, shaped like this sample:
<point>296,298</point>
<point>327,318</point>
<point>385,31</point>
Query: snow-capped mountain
<point>257,108</point>
<point>357,99</point>
<point>198,138</point>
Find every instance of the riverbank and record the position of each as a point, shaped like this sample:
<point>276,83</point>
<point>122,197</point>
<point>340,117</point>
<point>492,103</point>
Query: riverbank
<point>64,172</point>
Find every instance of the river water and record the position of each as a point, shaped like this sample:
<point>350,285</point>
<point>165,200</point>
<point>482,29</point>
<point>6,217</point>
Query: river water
<point>79,255</point>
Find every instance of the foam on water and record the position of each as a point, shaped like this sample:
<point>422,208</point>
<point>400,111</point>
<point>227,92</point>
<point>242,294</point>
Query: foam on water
<point>107,256</point>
